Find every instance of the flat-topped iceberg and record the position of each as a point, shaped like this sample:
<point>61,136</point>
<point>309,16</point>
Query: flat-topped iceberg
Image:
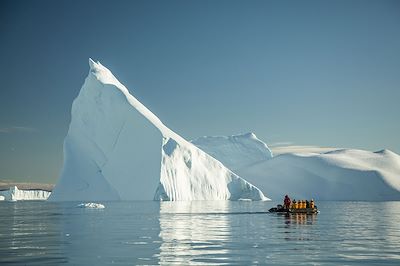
<point>117,149</point>
<point>344,174</point>
<point>15,194</point>
<point>336,174</point>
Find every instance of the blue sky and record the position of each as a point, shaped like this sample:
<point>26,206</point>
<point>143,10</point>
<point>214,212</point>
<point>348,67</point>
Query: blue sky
<point>323,73</point>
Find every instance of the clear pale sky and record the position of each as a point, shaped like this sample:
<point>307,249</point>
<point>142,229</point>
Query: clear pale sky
<point>323,73</point>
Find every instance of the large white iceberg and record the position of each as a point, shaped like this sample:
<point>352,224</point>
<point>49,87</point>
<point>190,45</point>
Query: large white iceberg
<point>15,194</point>
<point>117,149</point>
<point>336,174</point>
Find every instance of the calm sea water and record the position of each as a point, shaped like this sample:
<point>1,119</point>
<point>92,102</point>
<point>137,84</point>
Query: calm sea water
<point>198,233</point>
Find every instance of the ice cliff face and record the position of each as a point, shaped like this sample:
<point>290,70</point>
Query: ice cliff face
<point>196,174</point>
<point>117,149</point>
<point>15,194</point>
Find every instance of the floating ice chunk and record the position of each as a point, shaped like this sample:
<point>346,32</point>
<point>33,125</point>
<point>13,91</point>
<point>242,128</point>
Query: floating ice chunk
<point>91,205</point>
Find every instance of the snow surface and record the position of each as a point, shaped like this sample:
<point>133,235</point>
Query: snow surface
<point>235,151</point>
<point>117,149</point>
<point>339,174</point>
<point>15,194</point>
<point>277,150</point>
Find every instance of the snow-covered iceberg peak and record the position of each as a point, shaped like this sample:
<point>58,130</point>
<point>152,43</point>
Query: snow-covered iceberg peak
<point>235,151</point>
<point>115,145</point>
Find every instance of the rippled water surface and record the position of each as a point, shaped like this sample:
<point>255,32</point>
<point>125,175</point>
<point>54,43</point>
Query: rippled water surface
<point>198,233</point>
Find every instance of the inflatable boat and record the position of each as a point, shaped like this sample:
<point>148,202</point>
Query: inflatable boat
<point>280,209</point>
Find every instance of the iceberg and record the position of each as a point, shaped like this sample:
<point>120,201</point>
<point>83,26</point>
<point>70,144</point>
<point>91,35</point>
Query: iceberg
<point>344,174</point>
<point>117,149</point>
<point>15,194</point>
<point>330,174</point>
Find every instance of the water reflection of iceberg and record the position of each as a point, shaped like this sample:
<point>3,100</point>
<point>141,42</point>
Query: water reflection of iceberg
<point>194,232</point>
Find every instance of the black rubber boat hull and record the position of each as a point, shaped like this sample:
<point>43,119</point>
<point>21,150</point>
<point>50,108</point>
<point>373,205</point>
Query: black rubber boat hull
<point>294,211</point>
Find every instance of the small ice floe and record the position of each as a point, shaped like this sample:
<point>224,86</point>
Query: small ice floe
<point>91,205</point>
<point>241,199</point>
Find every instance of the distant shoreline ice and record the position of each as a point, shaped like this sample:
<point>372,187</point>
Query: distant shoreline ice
<point>16,194</point>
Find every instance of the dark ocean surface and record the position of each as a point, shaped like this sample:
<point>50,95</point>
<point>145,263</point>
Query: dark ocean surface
<point>198,233</point>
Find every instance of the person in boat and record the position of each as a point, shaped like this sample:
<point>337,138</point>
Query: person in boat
<point>286,202</point>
